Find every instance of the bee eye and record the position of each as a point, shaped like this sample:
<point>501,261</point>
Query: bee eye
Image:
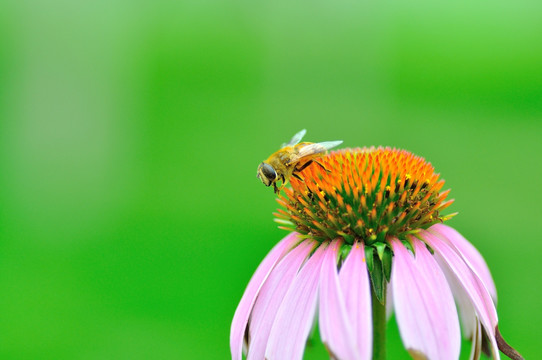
<point>268,171</point>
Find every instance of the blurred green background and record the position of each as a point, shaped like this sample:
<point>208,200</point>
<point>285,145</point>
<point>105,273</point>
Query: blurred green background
<point>130,132</point>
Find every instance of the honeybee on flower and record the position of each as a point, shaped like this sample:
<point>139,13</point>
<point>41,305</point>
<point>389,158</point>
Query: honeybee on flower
<point>292,158</point>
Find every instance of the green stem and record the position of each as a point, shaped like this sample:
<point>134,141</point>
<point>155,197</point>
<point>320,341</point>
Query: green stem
<point>379,325</point>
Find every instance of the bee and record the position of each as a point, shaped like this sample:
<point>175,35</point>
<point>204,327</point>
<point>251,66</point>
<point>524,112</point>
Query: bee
<point>292,158</point>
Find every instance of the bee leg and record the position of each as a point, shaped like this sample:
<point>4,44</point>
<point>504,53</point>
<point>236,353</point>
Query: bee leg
<point>322,166</point>
<point>277,190</point>
<point>297,176</point>
<point>304,166</point>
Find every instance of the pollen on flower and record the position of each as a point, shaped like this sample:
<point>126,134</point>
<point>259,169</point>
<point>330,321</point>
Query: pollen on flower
<point>368,194</point>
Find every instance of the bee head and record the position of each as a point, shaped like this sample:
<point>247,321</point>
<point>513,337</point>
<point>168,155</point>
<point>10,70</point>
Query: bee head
<point>267,174</point>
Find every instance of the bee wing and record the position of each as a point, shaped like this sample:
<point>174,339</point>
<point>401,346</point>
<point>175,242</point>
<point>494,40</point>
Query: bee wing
<point>315,148</point>
<point>330,144</point>
<point>296,139</point>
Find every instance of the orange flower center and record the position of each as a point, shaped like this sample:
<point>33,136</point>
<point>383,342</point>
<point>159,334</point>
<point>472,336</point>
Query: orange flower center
<point>366,194</point>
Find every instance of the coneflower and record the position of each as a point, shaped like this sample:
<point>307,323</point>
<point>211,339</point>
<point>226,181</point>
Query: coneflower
<point>366,235</point>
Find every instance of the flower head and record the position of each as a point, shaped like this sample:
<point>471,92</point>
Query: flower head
<point>367,233</point>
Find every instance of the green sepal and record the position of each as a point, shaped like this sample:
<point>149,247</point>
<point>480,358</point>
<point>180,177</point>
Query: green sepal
<point>344,251</point>
<point>448,217</point>
<point>283,221</point>
<point>386,263</point>
<point>369,258</point>
<point>381,237</point>
<point>348,239</point>
<point>418,236</point>
<point>378,279</point>
<point>409,246</point>
<point>380,249</point>
<point>430,249</point>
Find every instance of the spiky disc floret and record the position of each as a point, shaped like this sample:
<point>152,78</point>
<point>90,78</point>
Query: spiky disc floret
<point>367,194</point>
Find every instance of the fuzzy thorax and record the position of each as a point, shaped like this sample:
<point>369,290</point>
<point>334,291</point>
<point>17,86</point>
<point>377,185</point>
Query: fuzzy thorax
<point>366,194</point>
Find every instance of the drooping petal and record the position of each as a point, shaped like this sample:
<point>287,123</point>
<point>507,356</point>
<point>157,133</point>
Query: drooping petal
<point>470,254</point>
<point>242,313</point>
<point>354,281</point>
<point>295,315</point>
<point>470,282</point>
<point>424,304</point>
<point>469,320</point>
<point>271,296</point>
<point>335,328</point>
<point>389,302</point>
<point>476,349</point>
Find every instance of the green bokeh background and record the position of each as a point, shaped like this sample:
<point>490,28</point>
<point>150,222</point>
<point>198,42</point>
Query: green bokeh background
<point>130,132</point>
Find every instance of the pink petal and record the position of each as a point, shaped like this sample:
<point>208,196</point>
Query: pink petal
<point>424,304</point>
<point>335,328</point>
<point>244,308</point>
<point>470,254</point>
<point>470,282</point>
<point>354,281</point>
<point>294,317</point>
<point>271,295</point>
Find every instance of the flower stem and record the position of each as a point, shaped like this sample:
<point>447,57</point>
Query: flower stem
<point>379,325</point>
